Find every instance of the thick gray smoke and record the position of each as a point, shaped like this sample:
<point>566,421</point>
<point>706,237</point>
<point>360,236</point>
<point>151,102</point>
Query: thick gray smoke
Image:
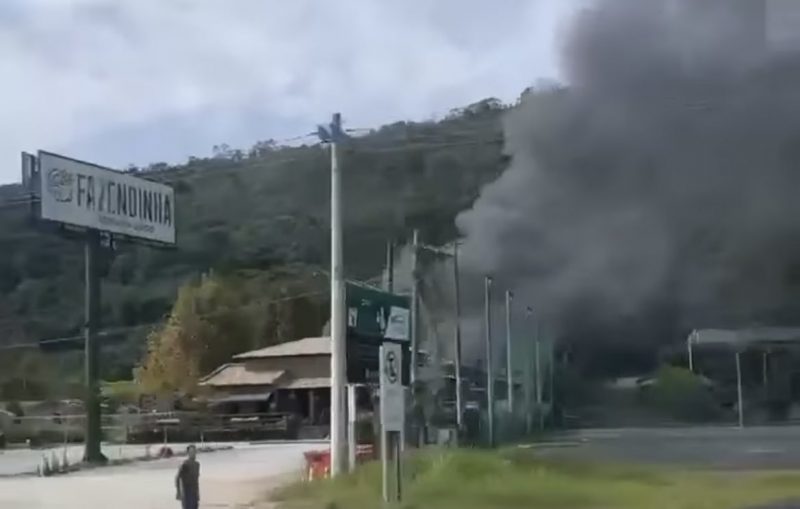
<point>658,188</point>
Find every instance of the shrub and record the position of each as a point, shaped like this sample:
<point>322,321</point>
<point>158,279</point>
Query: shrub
<point>682,395</point>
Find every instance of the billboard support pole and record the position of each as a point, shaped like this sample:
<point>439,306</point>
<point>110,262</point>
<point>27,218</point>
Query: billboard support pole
<point>92,453</point>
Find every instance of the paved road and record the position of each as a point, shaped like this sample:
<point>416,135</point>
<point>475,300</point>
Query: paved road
<point>229,479</point>
<point>712,447</point>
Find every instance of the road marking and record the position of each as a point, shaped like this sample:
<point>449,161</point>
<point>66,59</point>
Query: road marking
<point>758,450</point>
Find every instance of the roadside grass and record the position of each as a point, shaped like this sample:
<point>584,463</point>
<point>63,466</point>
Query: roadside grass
<point>467,479</point>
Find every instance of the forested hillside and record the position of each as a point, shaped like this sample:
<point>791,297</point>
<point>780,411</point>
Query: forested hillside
<point>258,217</point>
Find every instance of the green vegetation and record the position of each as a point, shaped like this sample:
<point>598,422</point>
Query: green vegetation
<point>515,479</point>
<point>219,316</point>
<point>680,394</point>
<point>255,214</point>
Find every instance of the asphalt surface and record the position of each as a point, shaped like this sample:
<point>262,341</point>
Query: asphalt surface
<point>235,478</point>
<point>703,447</point>
<point>238,477</point>
<point>716,448</point>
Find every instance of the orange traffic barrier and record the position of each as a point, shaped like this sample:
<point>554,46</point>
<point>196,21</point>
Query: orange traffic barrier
<point>318,463</point>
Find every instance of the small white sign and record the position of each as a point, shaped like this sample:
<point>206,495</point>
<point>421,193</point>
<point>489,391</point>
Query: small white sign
<point>90,196</point>
<point>393,408</point>
<point>397,327</point>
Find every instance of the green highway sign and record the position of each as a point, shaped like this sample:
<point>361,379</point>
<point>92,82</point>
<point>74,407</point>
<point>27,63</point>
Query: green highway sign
<point>378,314</point>
<point>373,318</point>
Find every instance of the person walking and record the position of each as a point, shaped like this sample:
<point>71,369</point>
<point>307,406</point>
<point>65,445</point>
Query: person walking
<point>187,480</point>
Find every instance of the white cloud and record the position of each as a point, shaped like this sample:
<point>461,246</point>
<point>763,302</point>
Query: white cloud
<point>146,80</point>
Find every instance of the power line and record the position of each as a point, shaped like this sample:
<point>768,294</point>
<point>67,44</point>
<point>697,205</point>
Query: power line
<point>429,142</point>
<point>131,328</point>
<point>410,146</point>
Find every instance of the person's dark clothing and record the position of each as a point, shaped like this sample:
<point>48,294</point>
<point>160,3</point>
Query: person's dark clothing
<point>188,483</point>
<point>190,503</point>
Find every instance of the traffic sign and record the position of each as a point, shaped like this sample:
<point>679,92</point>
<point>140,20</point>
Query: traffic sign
<point>374,313</point>
<point>375,317</point>
<point>392,393</point>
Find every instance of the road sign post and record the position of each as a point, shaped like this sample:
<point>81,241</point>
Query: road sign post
<point>392,407</point>
<point>352,422</point>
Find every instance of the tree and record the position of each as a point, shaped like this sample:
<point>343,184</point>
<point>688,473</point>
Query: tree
<point>221,315</point>
<point>205,328</point>
<point>27,375</point>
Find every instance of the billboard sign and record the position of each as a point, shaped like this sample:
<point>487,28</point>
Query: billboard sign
<point>89,196</point>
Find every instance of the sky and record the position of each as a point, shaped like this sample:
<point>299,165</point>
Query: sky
<point>117,82</point>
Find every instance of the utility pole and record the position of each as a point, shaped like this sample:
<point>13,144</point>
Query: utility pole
<point>740,397</point>
<point>387,445</point>
<point>92,452</point>
<point>537,358</point>
<point>489,368</point>
<point>528,381</point>
<point>509,359</point>
<point>457,346</point>
<point>415,319</point>
<point>338,338</point>
<point>390,266</point>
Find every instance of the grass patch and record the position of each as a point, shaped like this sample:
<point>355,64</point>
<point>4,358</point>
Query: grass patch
<point>467,479</point>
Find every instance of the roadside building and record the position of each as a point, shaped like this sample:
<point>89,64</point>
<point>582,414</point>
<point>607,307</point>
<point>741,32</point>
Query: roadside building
<point>292,378</point>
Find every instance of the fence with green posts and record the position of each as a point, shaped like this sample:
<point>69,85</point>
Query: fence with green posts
<point>533,382</point>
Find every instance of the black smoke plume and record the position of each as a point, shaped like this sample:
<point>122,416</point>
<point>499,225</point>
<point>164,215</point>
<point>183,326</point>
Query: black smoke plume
<point>658,189</point>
